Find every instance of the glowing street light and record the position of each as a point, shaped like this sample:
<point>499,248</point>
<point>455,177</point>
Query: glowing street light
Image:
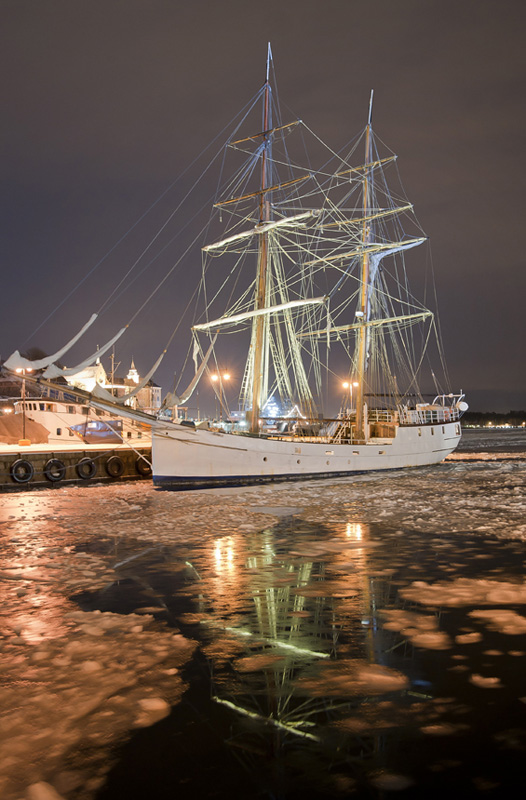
<point>349,385</point>
<point>219,377</point>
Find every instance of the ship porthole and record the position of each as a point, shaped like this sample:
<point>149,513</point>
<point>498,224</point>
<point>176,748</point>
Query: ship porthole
<point>86,468</point>
<point>143,466</point>
<point>54,470</point>
<point>114,467</point>
<point>298,461</point>
<point>22,471</point>
<point>264,458</point>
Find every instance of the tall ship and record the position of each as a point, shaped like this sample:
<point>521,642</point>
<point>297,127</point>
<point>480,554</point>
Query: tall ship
<point>329,295</point>
<point>307,268</point>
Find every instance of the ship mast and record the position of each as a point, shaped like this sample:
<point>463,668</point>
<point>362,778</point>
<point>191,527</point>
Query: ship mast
<point>362,312</point>
<point>261,322</point>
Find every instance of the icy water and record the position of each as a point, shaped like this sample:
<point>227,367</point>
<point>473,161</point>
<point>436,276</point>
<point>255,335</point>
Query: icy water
<point>360,638</point>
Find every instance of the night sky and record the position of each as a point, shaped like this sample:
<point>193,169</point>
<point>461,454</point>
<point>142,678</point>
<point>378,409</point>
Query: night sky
<point>105,104</point>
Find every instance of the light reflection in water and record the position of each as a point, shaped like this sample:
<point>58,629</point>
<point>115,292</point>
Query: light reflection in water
<point>353,530</point>
<point>224,554</point>
<point>278,614</point>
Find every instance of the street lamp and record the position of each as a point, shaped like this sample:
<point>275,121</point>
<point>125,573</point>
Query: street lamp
<point>23,440</point>
<point>219,377</point>
<point>349,385</point>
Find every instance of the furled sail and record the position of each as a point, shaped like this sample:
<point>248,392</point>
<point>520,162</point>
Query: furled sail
<point>100,391</point>
<point>16,361</point>
<point>56,372</point>
<point>235,318</point>
<point>300,220</point>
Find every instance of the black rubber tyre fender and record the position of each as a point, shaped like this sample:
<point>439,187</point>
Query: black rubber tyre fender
<point>22,471</point>
<point>143,466</point>
<point>114,466</point>
<point>86,468</point>
<point>54,470</point>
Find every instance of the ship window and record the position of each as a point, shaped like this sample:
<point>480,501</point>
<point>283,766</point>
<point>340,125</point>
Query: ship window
<point>42,406</point>
<point>356,452</point>
<point>329,452</point>
<point>381,452</point>
<point>432,431</point>
<point>59,431</point>
<point>457,430</point>
<point>84,410</point>
<point>71,433</point>
<point>264,458</point>
<point>298,461</point>
<point>71,410</point>
<point>443,429</point>
<point>420,431</point>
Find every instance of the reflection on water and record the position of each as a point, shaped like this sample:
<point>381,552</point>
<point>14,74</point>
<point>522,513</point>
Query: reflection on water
<point>30,608</point>
<point>322,680</point>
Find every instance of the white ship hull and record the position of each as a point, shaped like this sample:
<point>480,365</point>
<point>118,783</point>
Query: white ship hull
<point>186,458</point>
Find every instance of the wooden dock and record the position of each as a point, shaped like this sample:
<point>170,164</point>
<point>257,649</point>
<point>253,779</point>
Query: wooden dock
<point>39,466</point>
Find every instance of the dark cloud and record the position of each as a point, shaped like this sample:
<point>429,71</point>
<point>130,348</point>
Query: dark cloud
<point>105,103</point>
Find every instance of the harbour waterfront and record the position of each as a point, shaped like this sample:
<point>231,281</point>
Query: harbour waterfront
<point>354,637</point>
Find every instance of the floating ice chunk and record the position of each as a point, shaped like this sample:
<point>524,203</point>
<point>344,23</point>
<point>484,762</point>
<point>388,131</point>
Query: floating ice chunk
<point>391,782</point>
<point>465,592</point>
<point>468,638</point>
<point>444,729</point>
<point>42,791</point>
<point>152,710</point>
<point>420,629</point>
<point>485,683</point>
<point>90,666</point>
<point>259,661</point>
<point>92,630</point>
<point>377,678</point>
<point>337,680</point>
<point>153,704</point>
<point>503,620</point>
<point>439,640</point>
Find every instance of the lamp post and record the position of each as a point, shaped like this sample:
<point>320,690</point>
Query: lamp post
<point>349,385</point>
<point>219,377</point>
<point>20,371</point>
